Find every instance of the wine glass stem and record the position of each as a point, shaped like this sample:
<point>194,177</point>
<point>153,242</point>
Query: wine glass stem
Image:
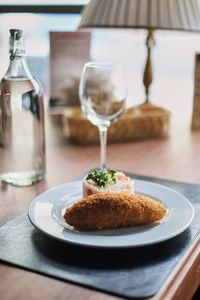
<point>103,145</point>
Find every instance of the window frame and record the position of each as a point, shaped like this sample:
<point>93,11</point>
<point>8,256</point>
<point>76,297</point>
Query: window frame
<point>57,9</point>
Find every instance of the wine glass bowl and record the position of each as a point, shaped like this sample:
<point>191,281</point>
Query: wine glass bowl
<point>102,93</point>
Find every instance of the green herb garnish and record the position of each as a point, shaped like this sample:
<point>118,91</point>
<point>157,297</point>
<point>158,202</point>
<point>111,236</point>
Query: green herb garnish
<point>101,177</point>
<point>112,174</point>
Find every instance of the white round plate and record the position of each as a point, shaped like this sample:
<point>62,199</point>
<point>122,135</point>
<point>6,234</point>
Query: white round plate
<point>45,212</point>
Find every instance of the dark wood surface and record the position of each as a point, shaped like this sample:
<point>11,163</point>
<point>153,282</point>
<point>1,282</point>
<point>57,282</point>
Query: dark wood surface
<point>175,158</point>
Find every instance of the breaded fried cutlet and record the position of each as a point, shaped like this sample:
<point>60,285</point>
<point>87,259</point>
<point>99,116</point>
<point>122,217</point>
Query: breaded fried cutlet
<point>113,209</point>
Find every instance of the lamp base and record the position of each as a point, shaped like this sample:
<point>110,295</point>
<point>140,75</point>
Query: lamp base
<point>139,122</point>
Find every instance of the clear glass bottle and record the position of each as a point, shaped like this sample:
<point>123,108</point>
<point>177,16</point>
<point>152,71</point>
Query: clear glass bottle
<point>22,136</point>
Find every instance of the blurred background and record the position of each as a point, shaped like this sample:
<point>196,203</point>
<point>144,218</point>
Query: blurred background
<point>173,55</point>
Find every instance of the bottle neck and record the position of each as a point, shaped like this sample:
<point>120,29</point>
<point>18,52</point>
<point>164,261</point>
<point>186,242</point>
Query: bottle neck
<point>18,68</point>
<point>17,48</point>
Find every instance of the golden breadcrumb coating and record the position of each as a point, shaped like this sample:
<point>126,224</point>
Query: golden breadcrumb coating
<point>113,209</point>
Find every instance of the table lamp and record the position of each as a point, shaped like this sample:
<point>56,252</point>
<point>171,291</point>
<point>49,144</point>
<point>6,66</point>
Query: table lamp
<point>183,15</point>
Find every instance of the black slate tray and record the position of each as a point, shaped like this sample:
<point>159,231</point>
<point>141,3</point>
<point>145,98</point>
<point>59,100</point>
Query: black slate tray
<point>130,273</point>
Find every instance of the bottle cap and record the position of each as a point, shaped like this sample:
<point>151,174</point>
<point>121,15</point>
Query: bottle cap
<point>16,33</point>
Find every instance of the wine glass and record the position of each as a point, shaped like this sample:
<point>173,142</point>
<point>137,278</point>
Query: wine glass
<point>102,93</point>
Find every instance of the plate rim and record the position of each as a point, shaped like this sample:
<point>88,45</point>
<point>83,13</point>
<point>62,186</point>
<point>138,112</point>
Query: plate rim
<point>83,244</point>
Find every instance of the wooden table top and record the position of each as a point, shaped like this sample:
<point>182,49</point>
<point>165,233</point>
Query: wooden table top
<point>175,158</point>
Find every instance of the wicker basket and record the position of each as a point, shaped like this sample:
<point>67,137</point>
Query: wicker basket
<point>140,122</point>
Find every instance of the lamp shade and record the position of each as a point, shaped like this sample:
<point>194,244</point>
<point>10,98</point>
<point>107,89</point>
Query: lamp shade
<point>155,14</point>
